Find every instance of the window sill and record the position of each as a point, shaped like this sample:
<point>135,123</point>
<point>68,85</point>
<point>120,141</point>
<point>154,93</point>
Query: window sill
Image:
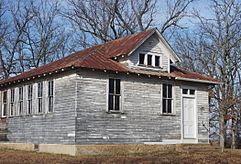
<point>115,112</point>
<point>167,114</point>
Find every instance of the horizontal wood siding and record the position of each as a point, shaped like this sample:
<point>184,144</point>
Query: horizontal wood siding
<point>141,120</point>
<point>56,127</point>
<point>203,114</point>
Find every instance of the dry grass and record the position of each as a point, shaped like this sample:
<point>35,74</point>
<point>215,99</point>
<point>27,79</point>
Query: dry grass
<point>24,157</point>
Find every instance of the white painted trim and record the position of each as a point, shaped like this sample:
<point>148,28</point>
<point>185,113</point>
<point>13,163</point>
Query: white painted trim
<point>152,62</point>
<point>4,116</point>
<point>197,80</point>
<point>195,139</point>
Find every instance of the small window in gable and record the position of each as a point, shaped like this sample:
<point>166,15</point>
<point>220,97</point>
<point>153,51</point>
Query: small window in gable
<point>141,59</point>
<point>157,61</point>
<point>149,60</point>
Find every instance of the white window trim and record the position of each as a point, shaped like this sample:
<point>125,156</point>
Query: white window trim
<point>47,95</point>
<point>153,60</point>
<point>37,98</point>
<point>195,140</point>
<point>18,108</point>
<point>4,116</point>
<point>27,97</point>
<point>12,103</point>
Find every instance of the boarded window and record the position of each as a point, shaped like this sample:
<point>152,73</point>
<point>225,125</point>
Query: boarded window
<point>141,59</point>
<point>40,97</point>
<point>50,96</point>
<point>12,100</point>
<point>167,98</point>
<point>149,60</point>
<point>157,61</point>
<point>20,100</point>
<point>30,99</point>
<point>114,95</point>
<point>5,103</point>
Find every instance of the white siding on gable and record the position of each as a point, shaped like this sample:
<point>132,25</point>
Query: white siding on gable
<point>152,46</point>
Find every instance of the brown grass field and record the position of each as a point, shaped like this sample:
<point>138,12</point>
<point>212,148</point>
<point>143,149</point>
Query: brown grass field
<point>24,157</point>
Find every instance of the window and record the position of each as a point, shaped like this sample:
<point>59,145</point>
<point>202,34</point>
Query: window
<point>157,61</point>
<point>114,95</point>
<point>20,101</point>
<point>30,99</point>
<point>141,59</point>
<point>184,91</point>
<point>5,104</point>
<point>40,97</point>
<point>167,99</point>
<point>149,60</point>
<point>12,102</point>
<point>190,92</point>
<point>50,96</point>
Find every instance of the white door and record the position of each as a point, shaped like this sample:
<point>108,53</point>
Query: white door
<point>188,118</point>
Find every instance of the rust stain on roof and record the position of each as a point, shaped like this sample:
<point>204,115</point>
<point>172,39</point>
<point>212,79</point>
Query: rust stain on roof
<point>100,57</point>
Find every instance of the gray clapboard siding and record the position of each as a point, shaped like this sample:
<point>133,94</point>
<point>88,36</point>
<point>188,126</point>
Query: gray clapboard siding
<point>56,127</point>
<point>140,121</point>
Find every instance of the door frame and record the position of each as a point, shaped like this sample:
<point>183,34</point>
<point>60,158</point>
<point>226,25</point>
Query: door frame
<point>195,139</point>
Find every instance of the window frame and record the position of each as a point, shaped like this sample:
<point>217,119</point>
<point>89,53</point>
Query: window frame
<point>50,96</point>
<point>30,99</point>
<point>153,60</point>
<point>167,99</point>
<point>12,102</point>
<point>188,93</point>
<point>20,100</point>
<point>114,94</point>
<point>40,97</point>
<point>4,104</point>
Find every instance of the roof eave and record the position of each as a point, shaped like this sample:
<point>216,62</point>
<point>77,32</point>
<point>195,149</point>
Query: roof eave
<point>199,81</point>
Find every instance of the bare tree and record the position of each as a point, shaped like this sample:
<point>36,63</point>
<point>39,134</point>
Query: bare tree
<point>104,20</point>
<point>31,34</point>
<point>215,49</point>
<point>45,38</point>
<point>13,39</point>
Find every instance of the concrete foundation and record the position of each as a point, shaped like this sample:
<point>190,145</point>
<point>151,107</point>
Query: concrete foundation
<point>114,149</point>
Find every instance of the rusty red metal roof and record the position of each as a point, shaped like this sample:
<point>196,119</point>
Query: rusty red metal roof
<point>101,57</point>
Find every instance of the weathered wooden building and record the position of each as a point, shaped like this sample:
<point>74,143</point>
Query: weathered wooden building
<point>124,91</point>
